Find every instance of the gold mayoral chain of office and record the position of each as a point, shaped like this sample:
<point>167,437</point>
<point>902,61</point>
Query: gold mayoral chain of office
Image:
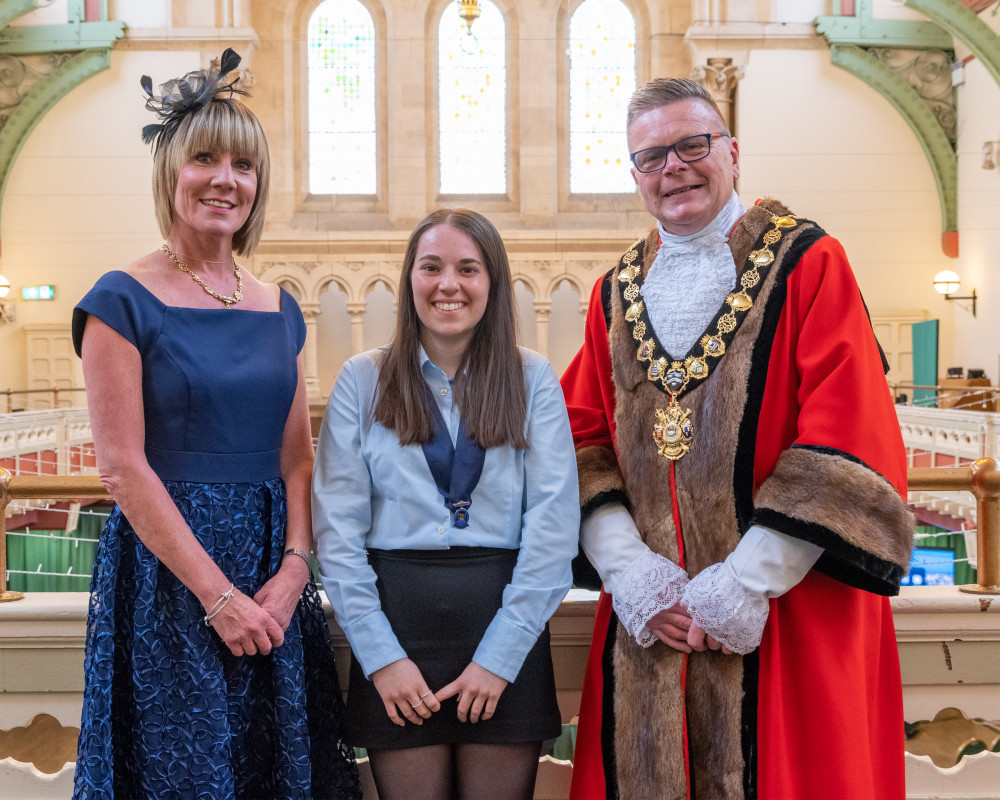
<point>673,430</point>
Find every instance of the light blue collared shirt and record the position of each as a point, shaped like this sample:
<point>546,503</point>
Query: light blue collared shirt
<point>370,492</point>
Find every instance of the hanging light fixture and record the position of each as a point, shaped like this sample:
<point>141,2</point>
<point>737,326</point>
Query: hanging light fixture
<point>469,11</point>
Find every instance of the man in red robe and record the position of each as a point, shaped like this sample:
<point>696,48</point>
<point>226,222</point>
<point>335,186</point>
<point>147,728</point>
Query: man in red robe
<point>742,477</point>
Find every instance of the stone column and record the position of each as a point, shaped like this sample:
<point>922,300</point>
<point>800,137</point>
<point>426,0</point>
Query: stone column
<point>310,351</point>
<point>356,310</point>
<point>542,310</point>
<point>721,76</point>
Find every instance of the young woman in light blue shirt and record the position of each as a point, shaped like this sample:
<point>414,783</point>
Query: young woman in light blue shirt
<point>446,514</point>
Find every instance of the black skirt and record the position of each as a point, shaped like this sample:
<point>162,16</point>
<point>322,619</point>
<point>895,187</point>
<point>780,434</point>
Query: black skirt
<point>440,603</point>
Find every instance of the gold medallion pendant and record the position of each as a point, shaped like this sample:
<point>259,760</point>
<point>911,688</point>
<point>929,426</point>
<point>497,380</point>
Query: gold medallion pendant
<point>673,431</point>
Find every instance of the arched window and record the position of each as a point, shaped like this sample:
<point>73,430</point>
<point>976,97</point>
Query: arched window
<point>472,97</point>
<point>341,99</point>
<point>601,81</point>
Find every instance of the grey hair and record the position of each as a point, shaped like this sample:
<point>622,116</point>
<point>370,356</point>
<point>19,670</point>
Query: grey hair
<point>666,91</point>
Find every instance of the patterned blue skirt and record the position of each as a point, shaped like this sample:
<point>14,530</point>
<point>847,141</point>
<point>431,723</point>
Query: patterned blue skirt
<point>168,710</point>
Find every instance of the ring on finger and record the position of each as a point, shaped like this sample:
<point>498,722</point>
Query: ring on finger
<point>417,705</point>
<point>425,695</point>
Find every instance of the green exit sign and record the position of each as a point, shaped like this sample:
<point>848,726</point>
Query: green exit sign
<point>47,292</point>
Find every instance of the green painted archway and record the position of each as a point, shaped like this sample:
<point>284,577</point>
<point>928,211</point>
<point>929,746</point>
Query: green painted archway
<point>48,61</point>
<point>855,45</point>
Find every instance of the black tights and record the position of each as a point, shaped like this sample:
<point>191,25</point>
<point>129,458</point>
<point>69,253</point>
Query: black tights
<point>457,772</point>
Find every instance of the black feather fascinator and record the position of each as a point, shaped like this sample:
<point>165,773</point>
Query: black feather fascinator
<point>182,96</point>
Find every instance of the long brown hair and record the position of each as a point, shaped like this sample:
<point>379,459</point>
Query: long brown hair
<point>489,384</point>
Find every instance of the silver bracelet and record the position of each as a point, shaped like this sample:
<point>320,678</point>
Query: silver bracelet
<point>294,551</point>
<point>220,604</point>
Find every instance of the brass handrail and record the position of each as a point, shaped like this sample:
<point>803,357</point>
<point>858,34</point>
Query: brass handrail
<point>982,478</point>
<point>39,487</point>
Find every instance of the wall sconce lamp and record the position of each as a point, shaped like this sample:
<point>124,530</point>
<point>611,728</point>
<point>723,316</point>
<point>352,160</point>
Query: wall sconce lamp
<point>6,307</point>
<point>947,282</point>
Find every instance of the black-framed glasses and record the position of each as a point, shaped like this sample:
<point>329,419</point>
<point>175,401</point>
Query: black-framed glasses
<point>691,148</point>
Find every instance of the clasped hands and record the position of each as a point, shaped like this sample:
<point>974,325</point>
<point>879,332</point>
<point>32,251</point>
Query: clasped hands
<point>675,628</point>
<point>248,626</point>
<point>408,698</point>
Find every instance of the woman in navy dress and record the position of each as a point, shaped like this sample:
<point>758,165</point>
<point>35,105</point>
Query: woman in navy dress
<point>209,672</point>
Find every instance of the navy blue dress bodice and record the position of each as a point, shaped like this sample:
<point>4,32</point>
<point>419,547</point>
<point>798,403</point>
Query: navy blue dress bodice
<point>217,384</point>
<point>168,710</point>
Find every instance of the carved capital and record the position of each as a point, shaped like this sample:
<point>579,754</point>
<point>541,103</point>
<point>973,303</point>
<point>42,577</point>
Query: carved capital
<point>720,76</point>
<point>309,311</point>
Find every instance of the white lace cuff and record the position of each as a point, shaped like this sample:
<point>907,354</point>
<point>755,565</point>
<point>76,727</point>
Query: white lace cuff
<point>725,610</point>
<point>649,585</point>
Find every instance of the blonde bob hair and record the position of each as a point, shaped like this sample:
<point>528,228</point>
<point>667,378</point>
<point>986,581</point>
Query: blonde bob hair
<point>216,127</point>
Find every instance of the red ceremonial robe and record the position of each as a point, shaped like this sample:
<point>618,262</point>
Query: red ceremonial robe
<point>821,709</point>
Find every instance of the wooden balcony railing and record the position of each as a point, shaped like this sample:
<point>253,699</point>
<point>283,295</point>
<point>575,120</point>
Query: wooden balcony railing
<point>982,479</point>
<point>39,487</point>
<point>10,394</point>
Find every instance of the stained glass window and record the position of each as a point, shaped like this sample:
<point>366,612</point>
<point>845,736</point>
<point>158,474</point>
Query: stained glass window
<point>601,81</point>
<point>472,92</point>
<point>341,99</point>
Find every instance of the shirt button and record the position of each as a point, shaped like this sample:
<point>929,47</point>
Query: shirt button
<point>441,529</point>
<point>444,392</point>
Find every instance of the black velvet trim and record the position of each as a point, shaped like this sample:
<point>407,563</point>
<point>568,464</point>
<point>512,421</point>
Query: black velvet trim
<point>606,297</point>
<point>584,574</point>
<point>822,449</point>
<point>746,442</point>
<point>842,561</point>
<point>602,499</point>
<point>881,352</point>
<point>748,723</point>
<point>608,711</point>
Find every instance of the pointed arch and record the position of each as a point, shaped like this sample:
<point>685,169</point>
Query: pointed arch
<point>369,285</point>
<point>324,284</point>
<point>574,281</point>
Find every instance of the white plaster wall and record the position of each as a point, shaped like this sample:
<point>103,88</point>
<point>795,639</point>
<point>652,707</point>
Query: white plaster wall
<point>141,13</point>
<point>78,201</point>
<point>977,340</point>
<point>834,150</point>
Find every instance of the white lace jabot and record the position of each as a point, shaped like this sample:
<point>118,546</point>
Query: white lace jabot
<point>689,280</point>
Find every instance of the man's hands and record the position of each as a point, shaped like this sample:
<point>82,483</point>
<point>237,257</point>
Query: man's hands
<point>671,627</point>
<point>675,628</point>
<point>699,640</point>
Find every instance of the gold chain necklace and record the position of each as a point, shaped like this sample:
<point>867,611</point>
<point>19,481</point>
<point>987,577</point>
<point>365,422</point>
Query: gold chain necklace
<point>673,430</point>
<point>228,302</point>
